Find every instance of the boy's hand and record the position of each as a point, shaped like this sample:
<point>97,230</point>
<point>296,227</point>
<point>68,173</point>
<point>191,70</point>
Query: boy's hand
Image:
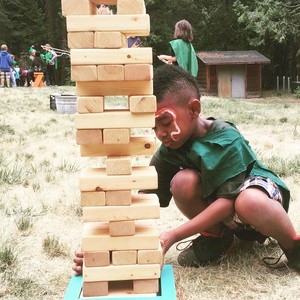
<point>78,262</point>
<point>167,239</point>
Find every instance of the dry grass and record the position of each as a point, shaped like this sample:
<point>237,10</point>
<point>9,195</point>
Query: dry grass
<point>39,205</point>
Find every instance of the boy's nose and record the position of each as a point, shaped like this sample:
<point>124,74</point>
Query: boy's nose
<point>161,133</point>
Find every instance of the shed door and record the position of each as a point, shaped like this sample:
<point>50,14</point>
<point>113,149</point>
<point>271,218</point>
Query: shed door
<point>238,81</point>
<point>224,82</point>
<point>231,81</point>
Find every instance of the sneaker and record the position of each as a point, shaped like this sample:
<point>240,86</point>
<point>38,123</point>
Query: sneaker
<point>293,255</point>
<point>207,250</point>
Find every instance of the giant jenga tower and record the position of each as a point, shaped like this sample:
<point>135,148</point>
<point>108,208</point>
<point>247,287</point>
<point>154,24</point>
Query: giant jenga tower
<point>119,240</point>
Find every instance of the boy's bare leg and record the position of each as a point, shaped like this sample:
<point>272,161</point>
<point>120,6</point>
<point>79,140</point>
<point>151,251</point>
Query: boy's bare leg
<point>254,207</point>
<point>187,193</point>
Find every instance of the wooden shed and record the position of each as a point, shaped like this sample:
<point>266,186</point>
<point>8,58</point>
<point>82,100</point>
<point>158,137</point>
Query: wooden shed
<point>231,74</point>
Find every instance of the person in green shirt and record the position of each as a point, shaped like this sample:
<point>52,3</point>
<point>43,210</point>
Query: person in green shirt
<point>182,50</point>
<point>215,179</point>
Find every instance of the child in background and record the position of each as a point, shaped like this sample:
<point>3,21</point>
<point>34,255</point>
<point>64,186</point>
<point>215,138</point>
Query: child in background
<point>12,72</point>
<point>5,66</point>
<point>17,71</point>
<point>182,50</point>
<point>50,58</point>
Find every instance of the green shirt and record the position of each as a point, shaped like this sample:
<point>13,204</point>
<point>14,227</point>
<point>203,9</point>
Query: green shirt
<point>223,159</point>
<point>185,56</point>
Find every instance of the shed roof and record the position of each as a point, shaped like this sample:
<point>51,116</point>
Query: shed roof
<point>232,57</point>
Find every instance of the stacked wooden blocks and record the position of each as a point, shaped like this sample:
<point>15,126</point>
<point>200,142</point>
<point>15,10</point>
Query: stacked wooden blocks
<point>120,240</point>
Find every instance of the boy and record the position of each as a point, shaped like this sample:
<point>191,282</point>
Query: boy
<point>5,65</point>
<point>215,179</point>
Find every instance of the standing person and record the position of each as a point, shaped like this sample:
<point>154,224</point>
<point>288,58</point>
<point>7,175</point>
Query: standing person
<point>17,72</point>
<point>12,72</point>
<point>182,50</point>
<point>5,66</point>
<point>215,179</point>
<point>50,57</point>
<point>29,70</point>
<point>32,52</point>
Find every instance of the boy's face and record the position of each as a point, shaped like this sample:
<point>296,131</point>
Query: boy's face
<point>173,124</point>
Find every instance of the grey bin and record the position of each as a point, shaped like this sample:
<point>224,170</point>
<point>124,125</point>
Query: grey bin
<point>66,104</point>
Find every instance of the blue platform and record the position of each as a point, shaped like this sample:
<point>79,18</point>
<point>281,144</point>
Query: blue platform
<point>167,289</point>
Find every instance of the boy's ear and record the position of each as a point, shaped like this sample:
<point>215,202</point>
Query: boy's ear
<point>195,107</point>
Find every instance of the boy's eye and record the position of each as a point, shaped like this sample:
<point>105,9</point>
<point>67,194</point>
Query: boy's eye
<point>166,123</point>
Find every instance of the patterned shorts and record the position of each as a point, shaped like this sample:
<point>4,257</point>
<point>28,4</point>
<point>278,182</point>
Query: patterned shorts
<point>265,184</point>
<point>5,74</point>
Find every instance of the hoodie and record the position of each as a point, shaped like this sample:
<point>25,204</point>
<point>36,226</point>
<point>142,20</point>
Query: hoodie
<point>5,61</point>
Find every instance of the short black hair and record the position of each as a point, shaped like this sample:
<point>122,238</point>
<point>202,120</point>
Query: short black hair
<point>173,80</point>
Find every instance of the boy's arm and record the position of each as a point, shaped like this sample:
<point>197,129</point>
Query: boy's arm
<point>215,213</point>
<point>165,173</point>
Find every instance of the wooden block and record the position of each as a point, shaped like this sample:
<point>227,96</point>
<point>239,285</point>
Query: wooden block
<point>141,55</point>
<point>137,146</point>
<point>118,165</point>
<point>124,257</point>
<point>105,2</point>
<point>110,72</point>
<point>82,7</point>
<point>81,40</point>
<point>130,25</point>
<point>116,119</point>
<point>116,136</point>
<point>142,104</point>
<point>84,73</point>
<point>138,72</point>
<point>113,88</point>
<point>150,256</point>
<point>95,179</point>
<point>122,228</point>
<point>143,286</point>
<point>109,40</point>
<point>96,237</point>
<point>90,105</point>
<point>88,136</point>
<point>118,198</point>
<point>131,7</point>
<point>124,289</point>
<point>96,259</point>
<point>95,289</point>
<point>128,272</point>
<point>92,198</point>
<point>142,207</point>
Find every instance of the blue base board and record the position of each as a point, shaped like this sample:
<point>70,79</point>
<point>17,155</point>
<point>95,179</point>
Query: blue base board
<point>167,288</point>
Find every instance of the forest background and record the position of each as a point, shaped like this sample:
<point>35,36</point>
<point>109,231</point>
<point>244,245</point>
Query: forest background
<point>271,27</point>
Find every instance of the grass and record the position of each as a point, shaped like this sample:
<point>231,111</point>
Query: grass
<point>41,217</point>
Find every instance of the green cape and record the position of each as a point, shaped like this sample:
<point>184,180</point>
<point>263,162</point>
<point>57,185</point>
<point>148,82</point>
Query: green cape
<point>185,56</point>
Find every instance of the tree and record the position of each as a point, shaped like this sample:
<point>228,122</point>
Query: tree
<point>24,22</point>
<point>275,26</point>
